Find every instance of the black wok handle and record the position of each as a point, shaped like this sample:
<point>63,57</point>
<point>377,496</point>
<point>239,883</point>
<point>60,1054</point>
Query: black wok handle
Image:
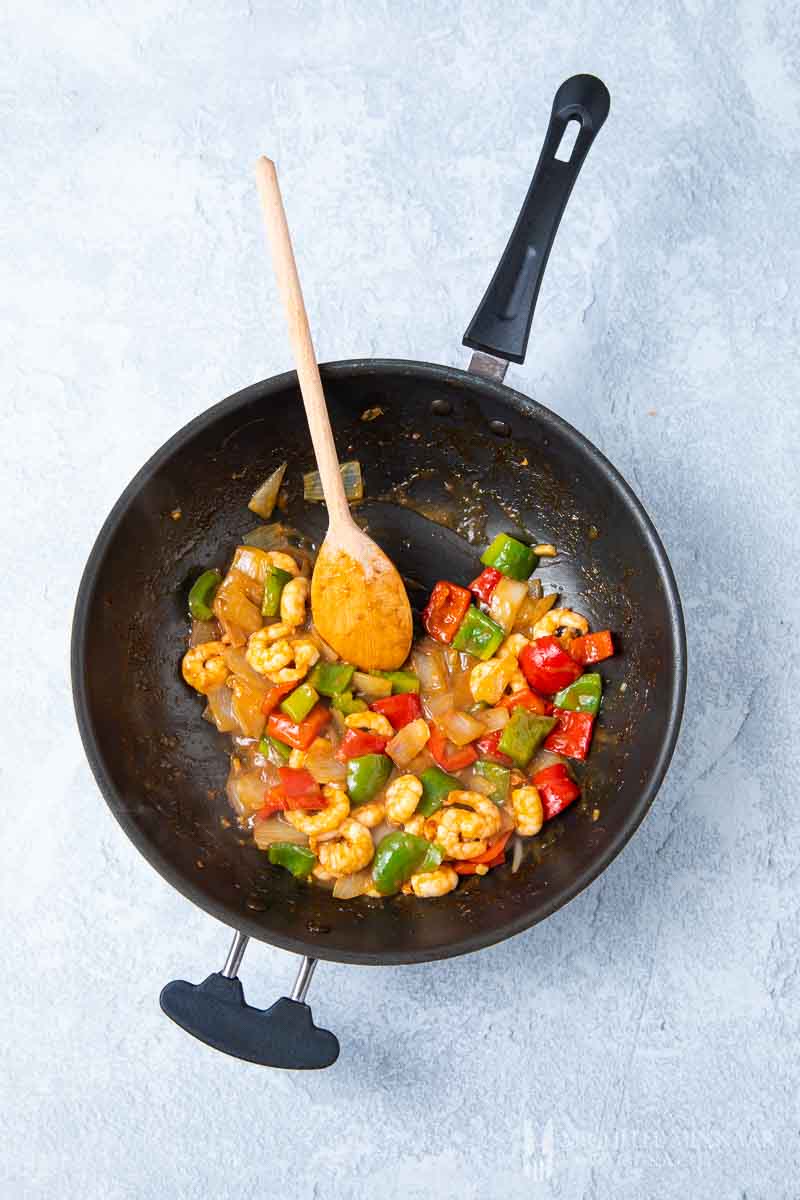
<point>283,1035</point>
<point>502,322</point>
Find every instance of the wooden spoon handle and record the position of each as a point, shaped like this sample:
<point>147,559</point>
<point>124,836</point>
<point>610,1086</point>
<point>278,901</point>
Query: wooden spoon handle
<point>291,293</point>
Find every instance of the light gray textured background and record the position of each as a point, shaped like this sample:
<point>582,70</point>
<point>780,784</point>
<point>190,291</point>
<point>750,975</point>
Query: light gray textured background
<point>643,1042</point>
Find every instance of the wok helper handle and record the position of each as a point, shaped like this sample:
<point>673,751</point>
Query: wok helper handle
<point>216,1013</point>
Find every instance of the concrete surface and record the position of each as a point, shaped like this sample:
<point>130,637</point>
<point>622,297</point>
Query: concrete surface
<point>643,1042</point>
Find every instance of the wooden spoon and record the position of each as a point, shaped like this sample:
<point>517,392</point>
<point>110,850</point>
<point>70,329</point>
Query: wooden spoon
<point>358,600</point>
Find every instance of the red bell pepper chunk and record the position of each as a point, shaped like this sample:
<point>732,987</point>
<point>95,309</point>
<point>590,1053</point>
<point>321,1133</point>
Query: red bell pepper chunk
<point>400,710</point>
<point>556,789</point>
<point>572,735</point>
<point>547,666</point>
<point>592,648</point>
<point>358,742</point>
<point>275,695</point>
<point>449,756</point>
<point>300,736</point>
<point>487,747</point>
<point>527,699</point>
<point>297,782</point>
<point>446,610</point>
<point>484,585</point>
<point>275,800</point>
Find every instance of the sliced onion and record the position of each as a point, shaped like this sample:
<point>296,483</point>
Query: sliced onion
<point>246,792</point>
<point>479,783</point>
<point>516,857</point>
<point>506,601</point>
<point>408,742</point>
<point>237,664</point>
<point>545,758</point>
<point>204,631</point>
<point>273,829</point>
<point>266,537</point>
<point>461,728</point>
<point>427,661</point>
<point>237,606</point>
<point>535,588</point>
<point>532,610</point>
<point>438,706</point>
<point>351,478</point>
<point>220,709</point>
<point>320,761</point>
<point>246,705</point>
<point>372,687</point>
<point>262,501</point>
<point>493,718</point>
<point>350,886</point>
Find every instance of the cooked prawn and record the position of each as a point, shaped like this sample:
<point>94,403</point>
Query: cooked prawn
<point>272,658</point>
<point>327,819</point>
<point>561,619</point>
<point>350,851</point>
<point>294,598</point>
<point>204,668</point>
<point>488,680</point>
<point>369,815</point>
<point>370,721</point>
<point>402,797</point>
<point>429,884</point>
<point>284,562</point>
<point>527,805</point>
<point>464,825</point>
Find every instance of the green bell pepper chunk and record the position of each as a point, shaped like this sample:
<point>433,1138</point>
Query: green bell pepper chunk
<point>401,681</point>
<point>280,749</point>
<point>478,634</point>
<point>436,784</point>
<point>366,776</point>
<point>201,595</point>
<point>347,703</point>
<point>499,777</point>
<point>433,858</point>
<point>274,583</point>
<point>523,735</point>
<point>297,859</point>
<point>399,856</point>
<point>331,679</point>
<point>584,695</point>
<point>510,557</point>
<point>299,703</point>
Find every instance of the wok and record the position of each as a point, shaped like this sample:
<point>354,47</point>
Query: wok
<point>454,444</point>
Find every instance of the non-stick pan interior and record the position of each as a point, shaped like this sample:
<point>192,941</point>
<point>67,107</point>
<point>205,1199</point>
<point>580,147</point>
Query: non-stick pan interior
<point>428,449</point>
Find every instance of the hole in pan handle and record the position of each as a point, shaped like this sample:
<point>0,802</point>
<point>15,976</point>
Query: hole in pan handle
<point>502,322</point>
<point>284,1035</point>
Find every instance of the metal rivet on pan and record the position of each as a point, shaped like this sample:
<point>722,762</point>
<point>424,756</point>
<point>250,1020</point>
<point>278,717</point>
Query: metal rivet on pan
<point>501,428</point>
<point>441,407</point>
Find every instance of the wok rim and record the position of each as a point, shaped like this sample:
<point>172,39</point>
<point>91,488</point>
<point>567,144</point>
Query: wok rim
<point>471,942</point>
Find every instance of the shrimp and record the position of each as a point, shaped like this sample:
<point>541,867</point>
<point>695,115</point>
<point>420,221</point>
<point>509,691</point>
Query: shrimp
<point>464,825</point>
<point>402,797</point>
<point>564,619</point>
<point>293,601</point>
<point>416,825</point>
<point>350,851</point>
<point>204,668</point>
<point>273,659</point>
<point>369,815</point>
<point>371,721</point>
<point>527,805</point>
<point>284,562</point>
<point>327,819</point>
<point>488,680</point>
<point>429,884</point>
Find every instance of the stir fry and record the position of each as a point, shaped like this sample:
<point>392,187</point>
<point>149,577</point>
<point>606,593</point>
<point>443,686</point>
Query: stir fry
<point>397,781</point>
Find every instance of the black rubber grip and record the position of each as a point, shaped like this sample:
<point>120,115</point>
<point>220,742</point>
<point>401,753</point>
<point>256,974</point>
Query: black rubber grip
<point>502,322</point>
<point>284,1035</point>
